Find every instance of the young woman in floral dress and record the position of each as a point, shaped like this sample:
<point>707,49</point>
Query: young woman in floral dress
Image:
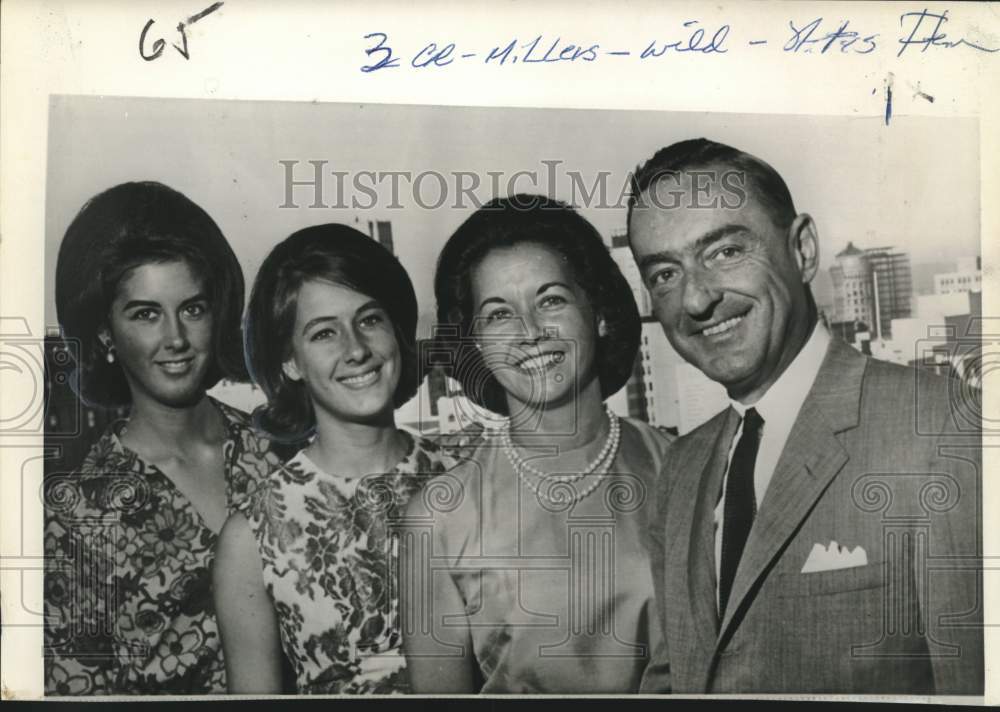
<point>150,292</point>
<point>310,566</point>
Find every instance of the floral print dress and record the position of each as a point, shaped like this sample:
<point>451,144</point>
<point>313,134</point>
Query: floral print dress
<point>329,551</point>
<point>128,599</point>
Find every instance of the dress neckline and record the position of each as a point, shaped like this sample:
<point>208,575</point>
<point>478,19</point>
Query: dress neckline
<point>146,468</point>
<point>401,465</point>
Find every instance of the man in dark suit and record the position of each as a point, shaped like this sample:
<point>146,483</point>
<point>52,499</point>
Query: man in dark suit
<point>822,534</point>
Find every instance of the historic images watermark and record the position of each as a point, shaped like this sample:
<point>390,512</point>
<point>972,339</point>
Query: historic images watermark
<point>317,183</point>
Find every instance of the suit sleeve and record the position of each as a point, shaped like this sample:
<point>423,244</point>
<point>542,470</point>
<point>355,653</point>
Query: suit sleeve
<point>952,600</point>
<point>656,677</point>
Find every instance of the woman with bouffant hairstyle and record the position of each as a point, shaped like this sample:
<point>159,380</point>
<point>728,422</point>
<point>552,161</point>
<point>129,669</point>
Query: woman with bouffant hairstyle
<point>532,219</point>
<point>149,288</point>
<point>341,255</point>
<point>122,228</point>
<point>541,327</point>
<point>310,565</point>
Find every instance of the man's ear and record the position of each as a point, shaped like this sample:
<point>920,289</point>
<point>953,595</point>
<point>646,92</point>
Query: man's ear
<point>291,370</point>
<point>804,246</point>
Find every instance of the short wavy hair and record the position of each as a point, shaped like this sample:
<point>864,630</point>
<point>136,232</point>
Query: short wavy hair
<point>127,226</point>
<point>332,253</point>
<point>526,218</point>
<point>699,153</point>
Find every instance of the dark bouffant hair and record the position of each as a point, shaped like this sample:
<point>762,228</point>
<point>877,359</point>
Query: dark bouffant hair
<point>125,227</point>
<point>697,153</point>
<point>524,218</point>
<point>332,253</point>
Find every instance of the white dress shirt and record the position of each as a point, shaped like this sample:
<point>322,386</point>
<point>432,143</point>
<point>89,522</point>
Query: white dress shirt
<point>779,407</point>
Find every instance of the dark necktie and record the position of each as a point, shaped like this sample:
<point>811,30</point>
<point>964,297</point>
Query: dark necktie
<point>740,505</point>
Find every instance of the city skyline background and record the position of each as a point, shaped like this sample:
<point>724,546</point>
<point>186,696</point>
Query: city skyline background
<point>911,187</point>
<point>906,185</point>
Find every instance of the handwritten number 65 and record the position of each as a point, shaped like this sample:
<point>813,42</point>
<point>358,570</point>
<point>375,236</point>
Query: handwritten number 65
<point>380,46</point>
<point>160,44</point>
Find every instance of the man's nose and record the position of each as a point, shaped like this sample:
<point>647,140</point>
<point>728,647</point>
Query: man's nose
<point>700,294</point>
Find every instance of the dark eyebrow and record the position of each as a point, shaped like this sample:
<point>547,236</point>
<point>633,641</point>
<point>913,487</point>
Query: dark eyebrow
<point>318,320</point>
<point>717,234</point>
<point>655,258</point>
<point>132,304</point>
<point>199,297</point>
<point>491,300</point>
<point>549,285</point>
<point>700,244</point>
<point>370,304</point>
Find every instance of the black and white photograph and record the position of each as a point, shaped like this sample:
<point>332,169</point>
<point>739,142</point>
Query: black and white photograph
<point>559,346</point>
<point>384,398</point>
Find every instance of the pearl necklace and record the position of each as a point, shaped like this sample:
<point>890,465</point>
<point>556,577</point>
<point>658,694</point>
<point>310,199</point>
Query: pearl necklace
<point>598,467</point>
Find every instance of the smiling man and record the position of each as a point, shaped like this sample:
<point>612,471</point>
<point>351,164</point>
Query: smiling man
<point>822,534</point>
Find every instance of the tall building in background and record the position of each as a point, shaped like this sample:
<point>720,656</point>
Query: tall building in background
<point>967,277</point>
<point>658,387</point>
<point>420,413</point>
<point>853,300</point>
<point>621,253</point>
<point>893,286</point>
<point>698,397</point>
<point>871,288</point>
<point>381,230</point>
<point>632,400</point>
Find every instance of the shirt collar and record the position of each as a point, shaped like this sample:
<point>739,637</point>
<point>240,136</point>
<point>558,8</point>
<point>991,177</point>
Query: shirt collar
<point>785,397</point>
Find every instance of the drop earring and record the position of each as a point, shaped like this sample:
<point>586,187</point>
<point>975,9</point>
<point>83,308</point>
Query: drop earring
<point>111,354</point>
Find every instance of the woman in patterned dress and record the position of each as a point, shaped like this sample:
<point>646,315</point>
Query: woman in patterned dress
<point>151,293</point>
<point>310,565</point>
<point>538,579</point>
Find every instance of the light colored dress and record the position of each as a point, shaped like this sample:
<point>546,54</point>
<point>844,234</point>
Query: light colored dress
<point>559,599</point>
<point>330,554</point>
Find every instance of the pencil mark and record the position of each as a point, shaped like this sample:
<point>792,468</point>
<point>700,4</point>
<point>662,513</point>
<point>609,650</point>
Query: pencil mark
<point>160,44</point>
<point>888,98</point>
<point>922,94</point>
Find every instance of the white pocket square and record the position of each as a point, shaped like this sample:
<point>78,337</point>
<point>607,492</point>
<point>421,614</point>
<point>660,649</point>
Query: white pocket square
<point>835,556</point>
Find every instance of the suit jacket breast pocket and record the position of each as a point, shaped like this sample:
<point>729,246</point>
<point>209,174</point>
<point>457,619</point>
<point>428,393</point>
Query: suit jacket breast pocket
<point>872,575</point>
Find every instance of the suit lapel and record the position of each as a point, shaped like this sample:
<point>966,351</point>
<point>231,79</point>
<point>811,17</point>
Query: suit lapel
<point>700,525</point>
<point>811,458</point>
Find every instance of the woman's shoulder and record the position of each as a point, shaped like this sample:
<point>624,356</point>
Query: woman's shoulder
<point>240,423</point>
<point>449,489</point>
<point>444,461</point>
<point>432,452</point>
<point>108,473</point>
<point>463,444</point>
<point>656,437</point>
<point>645,446</point>
<point>106,455</point>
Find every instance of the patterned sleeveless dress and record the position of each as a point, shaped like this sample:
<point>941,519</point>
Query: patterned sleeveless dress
<point>128,570</point>
<point>330,559</point>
